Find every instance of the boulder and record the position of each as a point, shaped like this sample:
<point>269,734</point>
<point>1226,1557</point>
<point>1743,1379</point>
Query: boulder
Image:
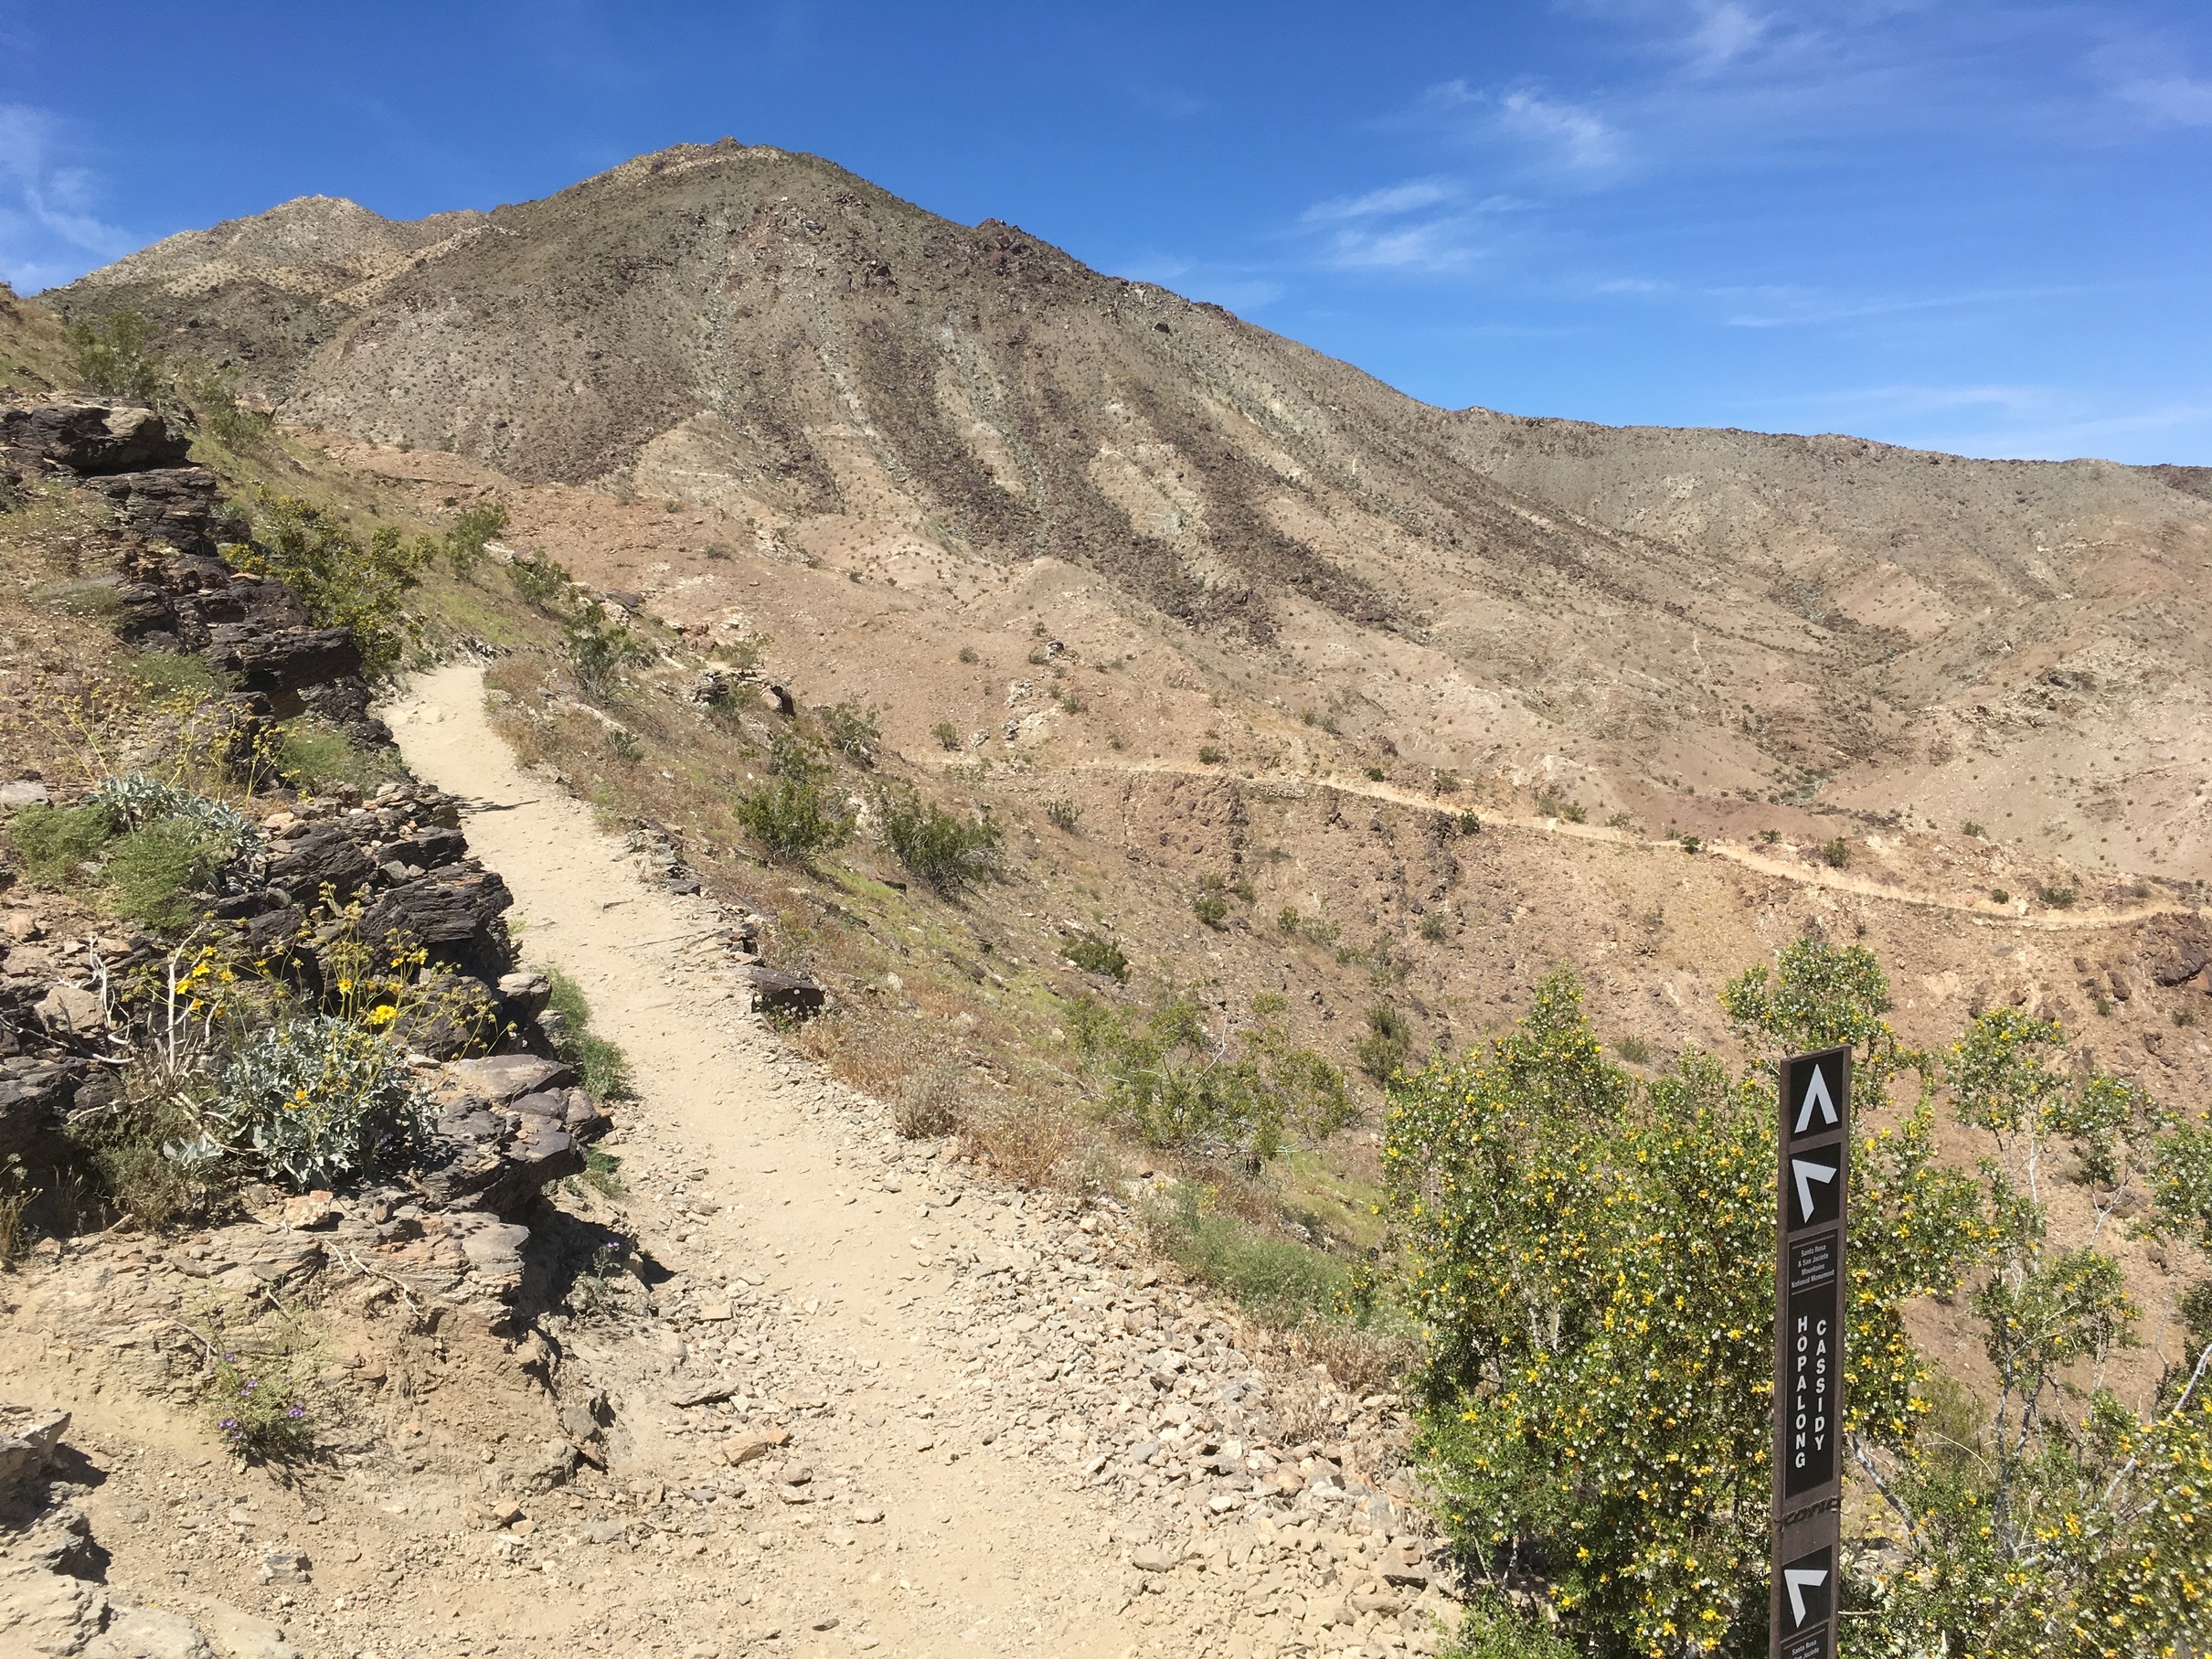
<point>456,915</point>
<point>509,1077</point>
<point>327,856</point>
<point>774,991</point>
<point>286,660</point>
<point>28,1435</point>
<point>90,437</point>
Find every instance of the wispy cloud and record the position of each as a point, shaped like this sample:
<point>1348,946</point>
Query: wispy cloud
<point>1576,135</point>
<point>1423,225</point>
<point>1722,34</point>
<point>1391,199</point>
<point>48,231</point>
<point>2181,100</point>
<point>1555,133</point>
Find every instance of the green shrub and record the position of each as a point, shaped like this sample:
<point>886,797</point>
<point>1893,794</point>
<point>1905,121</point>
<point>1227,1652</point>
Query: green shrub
<point>2056,898</point>
<point>1095,953</point>
<point>946,733</point>
<point>947,851</point>
<point>1162,1078</point>
<point>1691,844</point>
<point>604,1066</point>
<point>1210,909</point>
<point>260,1416</point>
<point>314,758</point>
<point>1492,1628</point>
<point>1375,773</point>
<point>1633,1049</point>
<point>794,819</point>
<point>1970,828</point>
<point>1593,1252</point>
<point>317,1100</point>
<point>1312,928</point>
<point>1063,815</point>
<point>169,673</point>
<point>539,581</point>
<point>1999,895</point>
<point>854,731</point>
<point>344,581</point>
<point>154,872</point>
<point>1433,926</point>
<point>114,357</point>
<point>967,654</point>
<point>1469,825</point>
<point>211,392</point>
<point>464,543</point>
<point>1446,782</point>
<point>600,647</point>
<point>1387,1044</point>
<point>1210,754</point>
<point>1835,853</point>
<point>1553,805</point>
<point>55,840</point>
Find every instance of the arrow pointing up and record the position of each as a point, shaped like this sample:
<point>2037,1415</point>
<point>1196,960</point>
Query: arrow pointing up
<point>1797,1580</point>
<point>1816,1094</point>
<point>1807,1172</point>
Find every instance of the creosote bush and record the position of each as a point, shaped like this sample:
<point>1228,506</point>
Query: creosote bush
<point>344,581</point>
<point>948,851</point>
<point>1095,953</point>
<point>1592,1253</point>
<point>1175,1081</point>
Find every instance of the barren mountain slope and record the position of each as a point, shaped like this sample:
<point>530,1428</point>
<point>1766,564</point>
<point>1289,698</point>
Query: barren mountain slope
<point>807,362</point>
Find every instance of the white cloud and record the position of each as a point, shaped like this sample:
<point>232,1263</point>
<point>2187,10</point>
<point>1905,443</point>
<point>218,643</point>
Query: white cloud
<point>48,231</point>
<point>1436,244</point>
<point>1392,199</point>
<point>1724,33</point>
<point>2178,99</point>
<point>1578,136</point>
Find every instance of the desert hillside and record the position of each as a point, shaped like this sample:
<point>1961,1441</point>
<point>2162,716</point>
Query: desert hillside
<point>1686,626</point>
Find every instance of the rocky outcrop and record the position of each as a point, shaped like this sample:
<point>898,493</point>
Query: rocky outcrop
<point>92,437</point>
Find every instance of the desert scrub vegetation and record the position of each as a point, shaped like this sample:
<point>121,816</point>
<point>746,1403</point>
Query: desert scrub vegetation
<point>152,849</point>
<point>1387,1043</point>
<point>600,647</point>
<point>1592,1256</point>
<point>795,815</point>
<point>1095,953</point>
<point>1171,1080</point>
<point>853,730</point>
<point>949,852</point>
<point>344,581</point>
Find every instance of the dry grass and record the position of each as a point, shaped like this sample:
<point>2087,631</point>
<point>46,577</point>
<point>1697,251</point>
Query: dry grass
<point>1024,1139</point>
<point>931,1104</point>
<point>871,1049</point>
<point>1361,1357</point>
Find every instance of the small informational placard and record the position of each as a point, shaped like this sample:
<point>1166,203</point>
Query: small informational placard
<point>1812,1217</point>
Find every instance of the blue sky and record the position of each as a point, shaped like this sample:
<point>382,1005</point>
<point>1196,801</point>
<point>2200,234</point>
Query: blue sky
<point>1975,226</point>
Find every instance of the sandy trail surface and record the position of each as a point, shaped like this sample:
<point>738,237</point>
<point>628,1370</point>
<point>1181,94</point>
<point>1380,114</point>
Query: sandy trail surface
<point>982,1463</point>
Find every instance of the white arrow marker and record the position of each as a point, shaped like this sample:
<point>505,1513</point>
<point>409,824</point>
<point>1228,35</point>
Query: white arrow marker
<point>1807,1173</point>
<point>1816,1094</point>
<point>1799,1580</point>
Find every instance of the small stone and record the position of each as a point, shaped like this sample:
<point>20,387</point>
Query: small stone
<point>604,1531</point>
<point>1153,1560</point>
<point>284,1567</point>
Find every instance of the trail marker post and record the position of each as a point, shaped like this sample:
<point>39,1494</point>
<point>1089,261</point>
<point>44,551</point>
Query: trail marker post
<point>1811,1298</point>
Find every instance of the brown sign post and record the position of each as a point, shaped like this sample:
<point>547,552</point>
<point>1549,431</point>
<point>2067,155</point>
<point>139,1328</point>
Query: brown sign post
<point>1810,1295</point>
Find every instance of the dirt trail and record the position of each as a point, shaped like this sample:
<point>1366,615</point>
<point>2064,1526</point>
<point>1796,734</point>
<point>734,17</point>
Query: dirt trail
<point>1009,1517</point>
<point>1978,909</point>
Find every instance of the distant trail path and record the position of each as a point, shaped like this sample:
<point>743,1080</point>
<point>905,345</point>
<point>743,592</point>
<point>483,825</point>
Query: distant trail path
<point>2086,917</point>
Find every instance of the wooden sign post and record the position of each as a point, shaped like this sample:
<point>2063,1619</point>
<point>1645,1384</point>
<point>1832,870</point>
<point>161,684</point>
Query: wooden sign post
<point>1811,1298</point>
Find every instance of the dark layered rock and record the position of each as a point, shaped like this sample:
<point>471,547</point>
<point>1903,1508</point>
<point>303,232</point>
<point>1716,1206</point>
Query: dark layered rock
<point>91,437</point>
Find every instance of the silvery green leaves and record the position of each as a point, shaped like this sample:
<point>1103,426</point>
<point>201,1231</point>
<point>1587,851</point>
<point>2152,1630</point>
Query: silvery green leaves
<point>316,1101</point>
